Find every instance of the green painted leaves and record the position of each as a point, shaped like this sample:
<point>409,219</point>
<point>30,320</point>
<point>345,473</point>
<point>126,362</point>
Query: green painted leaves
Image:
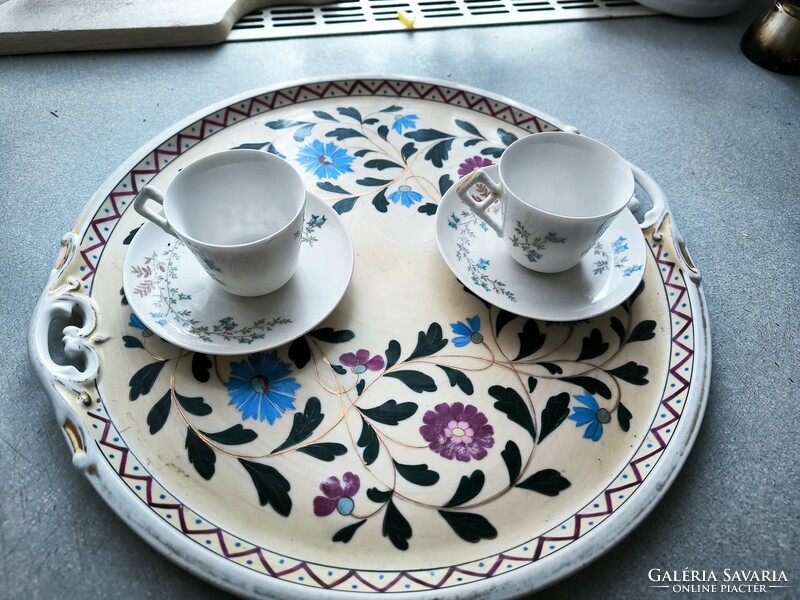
<point>417,474</point>
<point>233,436</point>
<point>271,486</point>
<point>548,482</point>
<point>458,378</point>
<point>324,451</point>
<point>554,413</point>
<point>429,342</point>
<point>142,381</point>
<point>201,367</point>
<point>392,354</point>
<point>468,526</point>
<point>468,488</point>
<point>332,336</point>
<point>632,373</point>
<point>132,342</point>
<point>201,455</point>
<point>513,460</point>
<point>415,380</point>
<point>593,346</point>
<point>644,330</point>
<point>390,412</point>
<point>368,440</point>
<point>530,339</point>
<point>345,534</point>
<point>396,527</point>
<point>512,404</point>
<point>300,352</point>
<point>303,424</point>
<point>159,412</point>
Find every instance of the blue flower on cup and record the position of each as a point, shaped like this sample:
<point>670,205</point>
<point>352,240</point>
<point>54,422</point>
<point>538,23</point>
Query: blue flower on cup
<point>620,245</point>
<point>467,332</point>
<point>260,387</point>
<point>404,122</point>
<point>326,161</point>
<point>405,196</point>
<point>590,414</point>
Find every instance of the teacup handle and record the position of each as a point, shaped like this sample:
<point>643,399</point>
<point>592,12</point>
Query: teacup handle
<point>157,217</point>
<point>479,204</point>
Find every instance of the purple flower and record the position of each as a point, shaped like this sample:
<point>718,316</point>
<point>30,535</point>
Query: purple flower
<point>471,164</point>
<point>457,431</point>
<point>360,361</point>
<point>337,496</point>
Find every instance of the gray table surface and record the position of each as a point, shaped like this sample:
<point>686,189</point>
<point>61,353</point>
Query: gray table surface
<point>677,97</point>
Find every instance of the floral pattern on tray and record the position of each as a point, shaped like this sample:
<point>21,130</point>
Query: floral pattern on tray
<point>386,442</point>
<point>263,388</point>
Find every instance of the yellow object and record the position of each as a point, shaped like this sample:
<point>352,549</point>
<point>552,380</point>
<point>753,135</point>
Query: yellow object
<point>406,19</point>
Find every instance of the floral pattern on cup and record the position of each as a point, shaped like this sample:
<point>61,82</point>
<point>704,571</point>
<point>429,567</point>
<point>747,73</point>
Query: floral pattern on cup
<point>158,275</point>
<point>614,258</point>
<point>466,223</point>
<point>531,245</point>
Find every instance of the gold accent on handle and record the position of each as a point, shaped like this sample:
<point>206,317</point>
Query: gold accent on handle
<point>64,254</point>
<point>465,183</point>
<point>74,436</point>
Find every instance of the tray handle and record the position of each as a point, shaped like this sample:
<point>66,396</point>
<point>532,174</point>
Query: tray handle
<point>59,303</point>
<point>76,340</point>
<point>655,215</point>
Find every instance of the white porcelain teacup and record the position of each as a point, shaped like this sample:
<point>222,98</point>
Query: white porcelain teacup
<point>240,212</point>
<point>558,193</point>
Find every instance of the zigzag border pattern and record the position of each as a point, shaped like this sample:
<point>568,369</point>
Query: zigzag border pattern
<point>270,563</point>
<point>576,526</point>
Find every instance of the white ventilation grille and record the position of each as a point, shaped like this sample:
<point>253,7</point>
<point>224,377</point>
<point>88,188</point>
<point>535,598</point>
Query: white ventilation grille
<point>370,16</point>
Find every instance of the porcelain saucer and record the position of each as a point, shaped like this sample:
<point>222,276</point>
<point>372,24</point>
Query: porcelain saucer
<point>174,297</point>
<point>608,274</point>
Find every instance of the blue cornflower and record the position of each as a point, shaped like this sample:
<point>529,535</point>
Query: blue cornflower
<point>260,387</point>
<point>453,221</point>
<point>326,161</point>
<point>593,415</point>
<point>482,264</point>
<point>467,333</point>
<point>405,196</point>
<point>137,323</point>
<point>404,121</point>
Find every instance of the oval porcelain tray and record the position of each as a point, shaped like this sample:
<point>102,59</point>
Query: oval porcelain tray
<point>419,441</point>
